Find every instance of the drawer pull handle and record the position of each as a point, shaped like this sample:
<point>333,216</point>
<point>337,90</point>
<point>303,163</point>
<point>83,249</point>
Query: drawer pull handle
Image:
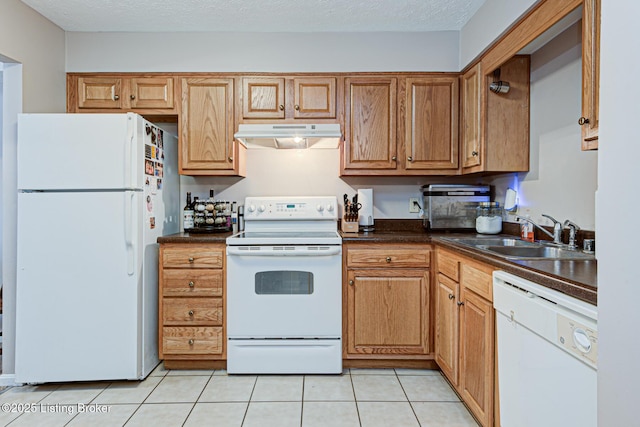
<point>132,97</point>
<point>451,296</point>
<point>351,282</point>
<point>474,153</point>
<point>116,97</point>
<point>281,107</point>
<point>460,303</point>
<point>191,313</point>
<point>394,158</point>
<point>191,342</point>
<point>191,284</point>
<point>191,260</point>
<point>388,259</point>
<point>297,107</point>
<point>583,121</point>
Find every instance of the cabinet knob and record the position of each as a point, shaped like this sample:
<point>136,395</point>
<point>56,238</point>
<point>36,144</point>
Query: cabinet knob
<point>191,342</point>
<point>191,260</point>
<point>191,284</point>
<point>474,153</point>
<point>133,97</point>
<point>460,303</point>
<point>350,282</point>
<point>230,158</point>
<point>297,107</point>
<point>394,158</point>
<point>583,121</point>
<point>451,296</point>
<point>281,107</point>
<point>388,259</point>
<point>191,313</point>
<point>116,97</point>
<point>410,159</point>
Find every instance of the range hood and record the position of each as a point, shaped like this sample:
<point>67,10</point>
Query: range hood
<point>289,135</point>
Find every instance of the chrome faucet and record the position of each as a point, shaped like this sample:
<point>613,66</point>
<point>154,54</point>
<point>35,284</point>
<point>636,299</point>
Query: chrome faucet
<point>557,228</point>
<point>573,229</point>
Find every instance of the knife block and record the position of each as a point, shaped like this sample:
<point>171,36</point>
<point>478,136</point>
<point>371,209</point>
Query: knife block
<point>349,226</point>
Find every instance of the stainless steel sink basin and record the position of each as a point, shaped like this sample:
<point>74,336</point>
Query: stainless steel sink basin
<point>513,248</point>
<point>538,251</point>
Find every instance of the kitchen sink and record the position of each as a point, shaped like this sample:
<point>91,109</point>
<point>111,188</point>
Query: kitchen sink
<point>537,251</point>
<point>513,248</point>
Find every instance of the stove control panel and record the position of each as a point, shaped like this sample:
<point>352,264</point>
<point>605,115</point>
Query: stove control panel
<point>287,208</point>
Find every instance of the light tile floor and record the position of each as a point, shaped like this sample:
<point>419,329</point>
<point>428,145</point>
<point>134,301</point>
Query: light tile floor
<point>358,397</point>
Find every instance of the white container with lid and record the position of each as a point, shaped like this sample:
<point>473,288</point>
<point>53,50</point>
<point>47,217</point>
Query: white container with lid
<point>489,218</point>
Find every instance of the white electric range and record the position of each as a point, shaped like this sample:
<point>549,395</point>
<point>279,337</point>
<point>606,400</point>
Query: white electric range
<point>284,288</point>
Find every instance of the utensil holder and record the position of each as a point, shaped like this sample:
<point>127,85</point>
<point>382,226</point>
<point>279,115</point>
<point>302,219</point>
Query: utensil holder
<point>350,226</point>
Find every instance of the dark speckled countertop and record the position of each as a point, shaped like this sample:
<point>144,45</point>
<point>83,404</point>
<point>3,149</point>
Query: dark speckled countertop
<point>575,278</point>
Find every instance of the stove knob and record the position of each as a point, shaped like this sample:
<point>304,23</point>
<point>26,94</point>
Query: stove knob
<point>252,208</point>
<point>320,208</point>
<point>261,208</point>
<point>330,207</point>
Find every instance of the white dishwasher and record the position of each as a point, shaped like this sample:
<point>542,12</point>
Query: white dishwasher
<point>547,355</point>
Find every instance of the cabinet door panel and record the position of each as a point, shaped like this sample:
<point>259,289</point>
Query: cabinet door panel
<point>388,314</point>
<point>207,124</point>
<point>470,117</point>
<point>150,92</point>
<point>446,335</point>
<point>263,98</point>
<point>431,123</point>
<point>370,134</point>
<point>590,73</point>
<point>100,92</point>
<point>476,355</point>
<point>314,98</point>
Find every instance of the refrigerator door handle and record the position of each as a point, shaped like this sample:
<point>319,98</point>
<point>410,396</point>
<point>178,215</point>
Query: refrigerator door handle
<point>128,231</point>
<point>130,155</point>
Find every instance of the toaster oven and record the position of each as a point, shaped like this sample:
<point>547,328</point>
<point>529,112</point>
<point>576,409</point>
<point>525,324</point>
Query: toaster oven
<point>452,207</point>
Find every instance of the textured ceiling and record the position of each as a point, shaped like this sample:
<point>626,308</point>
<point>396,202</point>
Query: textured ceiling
<point>257,15</point>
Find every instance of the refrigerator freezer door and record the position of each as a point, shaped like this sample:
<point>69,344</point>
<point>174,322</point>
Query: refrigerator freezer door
<point>79,287</point>
<point>80,151</point>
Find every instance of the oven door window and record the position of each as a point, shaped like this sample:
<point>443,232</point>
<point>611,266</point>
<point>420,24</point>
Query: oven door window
<point>283,282</point>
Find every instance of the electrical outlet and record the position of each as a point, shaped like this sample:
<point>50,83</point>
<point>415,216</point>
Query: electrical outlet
<point>414,205</point>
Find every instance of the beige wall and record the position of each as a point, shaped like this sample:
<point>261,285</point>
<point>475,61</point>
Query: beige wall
<point>28,38</point>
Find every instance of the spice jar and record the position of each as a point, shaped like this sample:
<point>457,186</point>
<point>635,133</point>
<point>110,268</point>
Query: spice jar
<point>489,218</point>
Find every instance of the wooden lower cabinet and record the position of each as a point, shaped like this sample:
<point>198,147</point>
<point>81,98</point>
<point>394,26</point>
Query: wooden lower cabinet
<point>192,305</point>
<point>387,302</point>
<point>465,331</point>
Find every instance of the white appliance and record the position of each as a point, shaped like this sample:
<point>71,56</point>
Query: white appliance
<point>326,135</point>
<point>284,288</point>
<point>547,355</point>
<point>95,192</point>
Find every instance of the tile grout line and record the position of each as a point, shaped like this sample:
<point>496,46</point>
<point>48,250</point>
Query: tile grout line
<point>197,398</point>
<point>246,410</point>
<point>304,377</point>
<point>407,396</point>
<point>355,398</point>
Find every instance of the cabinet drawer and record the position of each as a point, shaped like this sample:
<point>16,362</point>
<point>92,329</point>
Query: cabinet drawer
<point>192,256</point>
<point>478,278</point>
<point>449,265</point>
<point>192,340</point>
<point>192,311</point>
<point>196,283</point>
<point>416,258</point>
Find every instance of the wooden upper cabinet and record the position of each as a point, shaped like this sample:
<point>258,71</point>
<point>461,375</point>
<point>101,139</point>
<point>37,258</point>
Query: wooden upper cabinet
<point>470,108</point>
<point>263,98</point>
<point>590,74</point>
<point>207,127</point>
<point>431,124</point>
<point>100,92</point>
<point>155,95</point>
<point>289,98</point>
<point>314,97</point>
<point>370,124</point>
<point>495,126</point>
<point>150,92</point>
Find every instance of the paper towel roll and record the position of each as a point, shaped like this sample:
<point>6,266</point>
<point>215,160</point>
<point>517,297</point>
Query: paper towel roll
<point>365,198</point>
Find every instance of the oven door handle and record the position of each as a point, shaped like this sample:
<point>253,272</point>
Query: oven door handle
<point>249,251</point>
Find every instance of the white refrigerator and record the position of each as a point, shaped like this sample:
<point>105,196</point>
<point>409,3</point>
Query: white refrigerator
<point>95,191</point>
